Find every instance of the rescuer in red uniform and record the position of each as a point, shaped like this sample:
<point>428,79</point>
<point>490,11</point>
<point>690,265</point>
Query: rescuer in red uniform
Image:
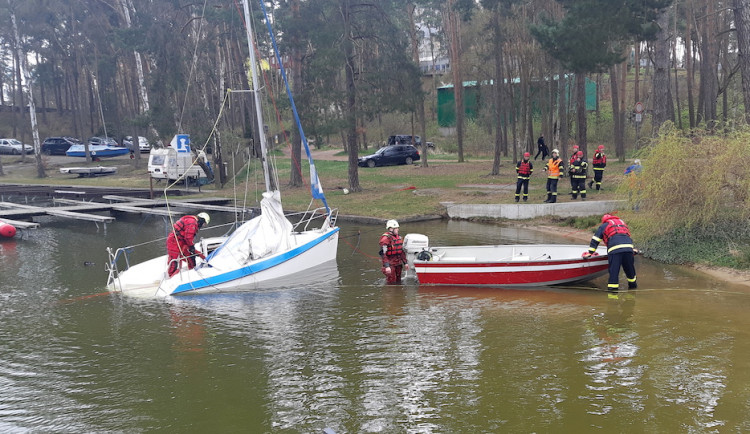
<point>599,162</point>
<point>524,169</point>
<point>180,242</point>
<point>573,157</point>
<point>620,252</point>
<point>392,252</point>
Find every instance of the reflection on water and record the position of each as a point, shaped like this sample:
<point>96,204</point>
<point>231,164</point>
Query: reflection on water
<point>350,353</point>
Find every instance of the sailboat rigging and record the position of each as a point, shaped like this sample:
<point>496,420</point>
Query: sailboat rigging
<point>265,250</point>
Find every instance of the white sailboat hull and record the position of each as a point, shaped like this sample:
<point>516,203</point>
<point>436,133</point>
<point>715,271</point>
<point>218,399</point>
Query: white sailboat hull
<point>309,249</point>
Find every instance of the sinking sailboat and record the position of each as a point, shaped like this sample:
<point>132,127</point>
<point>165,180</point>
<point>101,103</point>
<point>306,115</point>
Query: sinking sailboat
<point>267,250</point>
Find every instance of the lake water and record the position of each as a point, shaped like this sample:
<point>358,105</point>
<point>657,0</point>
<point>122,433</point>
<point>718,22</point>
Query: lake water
<point>353,355</point>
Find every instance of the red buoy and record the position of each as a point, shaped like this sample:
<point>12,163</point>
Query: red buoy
<point>7,231</point>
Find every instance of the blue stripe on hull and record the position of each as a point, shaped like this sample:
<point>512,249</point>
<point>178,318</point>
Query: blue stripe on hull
<point>251,269</point>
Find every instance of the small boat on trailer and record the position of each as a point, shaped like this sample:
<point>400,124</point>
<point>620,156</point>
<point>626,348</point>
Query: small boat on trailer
<point>518,265</point>
<point>89,172</point>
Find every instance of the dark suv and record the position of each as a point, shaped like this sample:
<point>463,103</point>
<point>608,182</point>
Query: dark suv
<point>389,155</point>
<point>58,145</point>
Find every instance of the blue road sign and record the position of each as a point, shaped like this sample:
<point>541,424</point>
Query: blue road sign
<point>183,143</point>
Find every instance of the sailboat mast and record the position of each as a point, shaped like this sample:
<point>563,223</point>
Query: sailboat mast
<point>256,95</point>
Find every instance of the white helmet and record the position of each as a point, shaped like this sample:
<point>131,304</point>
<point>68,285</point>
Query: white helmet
<point>205,217</point>
<point>391,224</point>
<point>555,151</point>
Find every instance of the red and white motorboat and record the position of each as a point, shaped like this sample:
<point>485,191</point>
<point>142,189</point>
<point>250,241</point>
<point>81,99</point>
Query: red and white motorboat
<point>502,265</point>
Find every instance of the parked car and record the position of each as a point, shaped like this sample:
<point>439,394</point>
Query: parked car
<point>389,155</point>
<point>103,141</point>
<point>58,145</point>
<point>14,147</point>
<point>405,139</point>
<point>143,144</point>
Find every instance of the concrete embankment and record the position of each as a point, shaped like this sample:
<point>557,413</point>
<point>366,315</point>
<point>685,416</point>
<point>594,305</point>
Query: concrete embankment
<point>522,211</point>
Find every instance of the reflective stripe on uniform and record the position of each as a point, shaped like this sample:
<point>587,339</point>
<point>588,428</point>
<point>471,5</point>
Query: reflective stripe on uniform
<point>619,246</point>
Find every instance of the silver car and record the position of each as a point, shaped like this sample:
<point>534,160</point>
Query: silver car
<point>143,144</point>
<point>14,147</point>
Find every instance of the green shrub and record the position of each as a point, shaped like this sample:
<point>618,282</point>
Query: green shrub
<point>691,202</point>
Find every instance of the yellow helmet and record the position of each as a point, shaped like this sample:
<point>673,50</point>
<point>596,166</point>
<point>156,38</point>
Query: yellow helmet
<point>205,217</point>
<point>391,224</point>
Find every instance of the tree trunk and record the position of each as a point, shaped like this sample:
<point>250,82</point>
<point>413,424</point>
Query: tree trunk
<point>618,127</point>
<point>562,110</point>
<point>32,109</point>
<point>295,178</point>
<point>351,100</point>
<point>676,78</point>
<point>419,103</point>
<point>637,66</point>
<point>498,88</point>
<point>742,24</point>
<point>689,63</point>
<point>581,111</point>
<point>661,92</point>
<point>709,63</point>
<point>452,26</point>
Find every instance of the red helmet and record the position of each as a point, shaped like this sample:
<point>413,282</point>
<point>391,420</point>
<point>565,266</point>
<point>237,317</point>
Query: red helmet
<point>575,147</point>
<point>580,154</point>
<point>526,154</point>
<point>600,147</point>
<point>607,217</point>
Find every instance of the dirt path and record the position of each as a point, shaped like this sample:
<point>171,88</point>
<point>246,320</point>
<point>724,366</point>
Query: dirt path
<point>325,154</point>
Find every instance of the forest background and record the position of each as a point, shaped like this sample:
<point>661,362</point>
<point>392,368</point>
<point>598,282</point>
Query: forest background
<point>362,70</point>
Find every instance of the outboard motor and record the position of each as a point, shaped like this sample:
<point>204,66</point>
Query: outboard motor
<point>415,245</point>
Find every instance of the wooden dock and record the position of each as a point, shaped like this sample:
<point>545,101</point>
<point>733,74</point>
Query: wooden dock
<point>103,205</point>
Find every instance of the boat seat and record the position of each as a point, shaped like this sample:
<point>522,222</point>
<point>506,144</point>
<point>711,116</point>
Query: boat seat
<point>459,259</point>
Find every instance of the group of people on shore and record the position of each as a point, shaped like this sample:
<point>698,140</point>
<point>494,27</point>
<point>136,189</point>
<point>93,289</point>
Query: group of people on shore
<point>577,169</point>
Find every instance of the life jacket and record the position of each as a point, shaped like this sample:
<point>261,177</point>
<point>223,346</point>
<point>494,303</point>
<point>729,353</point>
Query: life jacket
<point>600,160</point>
<point>186,228</point>
<point>524,168</point>
<point>578,170</point>
<point>553,168</point>
<point>395,247</point>
<point>615,226</point>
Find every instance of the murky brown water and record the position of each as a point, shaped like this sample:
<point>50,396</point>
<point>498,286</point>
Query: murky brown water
<point>354,355</point>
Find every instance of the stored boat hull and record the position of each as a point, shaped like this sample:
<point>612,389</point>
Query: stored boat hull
<point>509,265</point>
<point>97,151</point>
<point>84,172</point>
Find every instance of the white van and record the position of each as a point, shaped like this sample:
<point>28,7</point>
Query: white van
<point>169,164</point>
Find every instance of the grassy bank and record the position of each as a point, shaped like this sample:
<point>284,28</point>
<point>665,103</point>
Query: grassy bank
<point>387,192</point>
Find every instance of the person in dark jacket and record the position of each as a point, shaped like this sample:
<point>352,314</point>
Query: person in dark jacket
<point>542,147</point>
<point>578,172</point>
<point>392,252</point>
<point>523,168</point>
<point>620,251</point>
<point>180,242</point>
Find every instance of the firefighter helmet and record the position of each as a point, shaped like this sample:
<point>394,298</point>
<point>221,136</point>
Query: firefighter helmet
<point>205,217</point>
<point>391,224</point>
